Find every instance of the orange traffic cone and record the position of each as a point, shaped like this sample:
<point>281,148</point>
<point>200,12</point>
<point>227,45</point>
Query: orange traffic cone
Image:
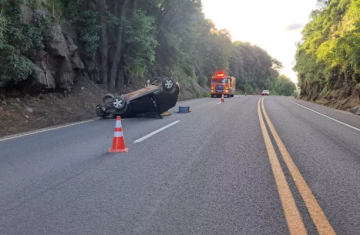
<point>118,145</point>
<point>222,98</point>
<point>245,93</point>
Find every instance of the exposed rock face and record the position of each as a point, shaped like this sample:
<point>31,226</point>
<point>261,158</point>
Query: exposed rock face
<point>71,45</point>
<point>45,77</point>
<point>57,64</point>
<point>57,45</point>
<point>77,63</point>
<point>28,13</point>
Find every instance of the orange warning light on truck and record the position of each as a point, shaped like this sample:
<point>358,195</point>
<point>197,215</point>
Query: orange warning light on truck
<point>222,84</point>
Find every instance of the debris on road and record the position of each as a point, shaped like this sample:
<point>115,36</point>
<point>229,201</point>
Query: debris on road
<point>184,109</point>
<point>167,113</point>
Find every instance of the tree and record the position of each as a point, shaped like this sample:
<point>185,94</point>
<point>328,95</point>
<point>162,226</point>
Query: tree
<point>328,57</point>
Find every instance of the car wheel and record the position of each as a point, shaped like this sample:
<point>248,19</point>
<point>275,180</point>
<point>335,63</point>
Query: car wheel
<point>119,104</point>
<point>168,85</point>
<point>107,98</point>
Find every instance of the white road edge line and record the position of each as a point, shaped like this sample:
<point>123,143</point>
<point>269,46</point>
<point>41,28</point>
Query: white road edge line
<point>343,123</point>
<point>43,130</point>
<point>218,103</point>
<point>155,132</point>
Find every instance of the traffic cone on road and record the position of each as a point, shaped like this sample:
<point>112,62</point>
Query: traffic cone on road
<point>222,98</point>
<point>245,93</point>
<point>118,145</point>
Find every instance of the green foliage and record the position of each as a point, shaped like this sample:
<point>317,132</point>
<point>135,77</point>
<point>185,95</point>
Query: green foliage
<point>192,48</point>
<point>87,24</point>
<point>15,67</point>
<point>25,36</point>
<point>295,94</point>
<point>140,43</point>
<point>89,31</point>
<point>284,86</point>
<point>330,52</point>
<point>254,69</point>
<point>73,9</point>
<point>112,20</point>
<point>2,28</point>
<point>54,7</point>
<point>143,38</point>
<point>18,37</point>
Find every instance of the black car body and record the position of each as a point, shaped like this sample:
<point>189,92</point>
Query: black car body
<point>154,99</point>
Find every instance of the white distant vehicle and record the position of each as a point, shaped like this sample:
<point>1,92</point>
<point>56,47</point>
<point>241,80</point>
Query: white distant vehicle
<point>265,92</point>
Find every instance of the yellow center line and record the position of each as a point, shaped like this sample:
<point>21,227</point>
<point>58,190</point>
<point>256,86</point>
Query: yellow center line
<point>292,214</point>
<point>316,213</point>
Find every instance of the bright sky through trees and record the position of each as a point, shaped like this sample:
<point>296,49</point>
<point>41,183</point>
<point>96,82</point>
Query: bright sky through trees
<point>273,25</point>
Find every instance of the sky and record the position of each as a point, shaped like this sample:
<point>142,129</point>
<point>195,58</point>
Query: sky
<point>274,25</point>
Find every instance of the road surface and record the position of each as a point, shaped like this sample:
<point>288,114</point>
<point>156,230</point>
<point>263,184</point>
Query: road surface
<point>246,166</point>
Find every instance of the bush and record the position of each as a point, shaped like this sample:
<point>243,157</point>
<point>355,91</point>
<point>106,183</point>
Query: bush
<point>14,67</point>
<point>295,94</point>
<point>17,38</point>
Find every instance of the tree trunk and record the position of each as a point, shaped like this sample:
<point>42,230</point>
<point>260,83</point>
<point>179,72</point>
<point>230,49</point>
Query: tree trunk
<point>104,44</point>
<point>132,5</point>
<point>118,49</point>
<point>120,79</point>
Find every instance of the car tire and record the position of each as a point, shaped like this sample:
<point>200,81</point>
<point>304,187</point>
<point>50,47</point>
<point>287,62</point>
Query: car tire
<point>168,85</point>
<point>107,98</point>
<point>119,104</point>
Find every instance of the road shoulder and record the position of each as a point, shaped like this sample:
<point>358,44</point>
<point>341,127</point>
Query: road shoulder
<point>342,116</point>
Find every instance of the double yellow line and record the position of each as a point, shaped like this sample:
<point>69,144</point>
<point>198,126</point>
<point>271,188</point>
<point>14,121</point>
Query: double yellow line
<point>292,214</point>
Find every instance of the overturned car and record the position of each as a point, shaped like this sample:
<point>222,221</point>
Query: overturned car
<point>155,99</point>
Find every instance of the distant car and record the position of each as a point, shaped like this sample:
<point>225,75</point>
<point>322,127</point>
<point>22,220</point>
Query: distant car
<point>156,99</point>
<point>265,92</point>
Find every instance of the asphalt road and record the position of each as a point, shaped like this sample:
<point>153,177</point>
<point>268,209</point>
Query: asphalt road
<point>221,169</point>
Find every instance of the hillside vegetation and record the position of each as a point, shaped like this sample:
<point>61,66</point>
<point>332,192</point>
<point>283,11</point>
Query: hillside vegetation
<point>50,44</point>
<point>328,57</point>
